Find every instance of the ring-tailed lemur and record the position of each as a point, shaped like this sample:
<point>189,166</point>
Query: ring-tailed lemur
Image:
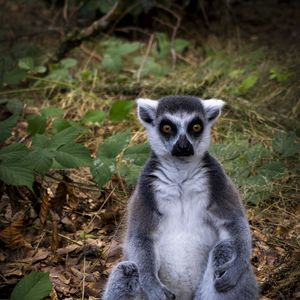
<point>187,235</point>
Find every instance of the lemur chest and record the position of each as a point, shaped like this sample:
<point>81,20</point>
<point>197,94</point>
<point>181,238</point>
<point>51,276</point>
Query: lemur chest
<point>185,234</point>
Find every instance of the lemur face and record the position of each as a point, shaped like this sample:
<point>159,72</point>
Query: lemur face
<point>179,126</point>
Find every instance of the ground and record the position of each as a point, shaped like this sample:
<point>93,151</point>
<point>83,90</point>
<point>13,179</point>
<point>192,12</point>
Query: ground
<point>253,63</point>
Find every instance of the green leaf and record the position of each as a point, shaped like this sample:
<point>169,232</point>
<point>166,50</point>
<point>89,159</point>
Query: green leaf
<point>60,125</point>
<point>65,136</point>
<point>36,124</point>
<point>113,145</point>
<point>120,110</point>
<point>94,116</point>
<point>15,106</point>
<point>68,63</point>
<point>151,67</point>
<point>39,69</point>
<point>247,84</point>
<point>126,48</point>
<point>41,160</point>
<point>102,169</point>
<point>272,170</point>
<point>181,44</point>
<point>137,154</point>
<point>256,152</point>
<point>6,127</point>
<point>164,46</point>
<point>26,63</point>
<point>130,173</point>
<point>112,63</point>
<point>16,173</point>
<point>52,112</point>
<point>279,74</point>
<point>40,141</point>
<point>73,156</point>
<point>14,76</point>
<point>35,286</point>
<point>13,152</point>
<point>284,144</point>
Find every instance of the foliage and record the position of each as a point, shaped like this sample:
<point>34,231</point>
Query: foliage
<point>285,145</point>
<point>104,165</point>
<point>255,168</point>
<point>35,286</point>
<point>279,75</point>
<point>53,146</point>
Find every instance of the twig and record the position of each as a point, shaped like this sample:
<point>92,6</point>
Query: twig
<point>75,37</point>
<point>204,13</point>
<point>18,91</point>
<point>92,54</point>
<point>138,74</point>
<point>175,29</point>
<point>40,240</point>
<point>65,11</point>
<point>66,238</point>
<point>132,28</point>
<point>96,214</point>
<point>122,16</point>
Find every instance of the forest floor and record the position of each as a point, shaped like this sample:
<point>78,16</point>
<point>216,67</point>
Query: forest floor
<point>254,67</point>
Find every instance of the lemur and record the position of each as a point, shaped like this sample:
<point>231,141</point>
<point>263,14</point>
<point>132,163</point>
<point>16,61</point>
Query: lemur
<point>187,234</point>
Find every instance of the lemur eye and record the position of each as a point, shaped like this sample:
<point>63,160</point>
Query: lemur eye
<point>197,127</point>
<point>167,129</point>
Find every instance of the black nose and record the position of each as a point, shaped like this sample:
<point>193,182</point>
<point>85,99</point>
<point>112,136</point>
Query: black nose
<point>183,147</point>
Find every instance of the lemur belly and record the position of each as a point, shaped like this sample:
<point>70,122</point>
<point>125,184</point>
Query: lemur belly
<point>184,236</point>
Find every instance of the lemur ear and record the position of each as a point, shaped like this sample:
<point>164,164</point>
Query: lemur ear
<point>146,110</point>
<point>212,109</point>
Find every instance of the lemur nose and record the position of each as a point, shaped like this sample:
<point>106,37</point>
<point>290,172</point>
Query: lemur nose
<point>183,147</point>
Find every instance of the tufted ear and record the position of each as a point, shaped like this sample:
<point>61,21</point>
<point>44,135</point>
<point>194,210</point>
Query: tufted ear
<point>146,110</point>
<point>212,108</point>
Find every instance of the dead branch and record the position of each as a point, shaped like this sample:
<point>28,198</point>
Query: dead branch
<point>75,37</point>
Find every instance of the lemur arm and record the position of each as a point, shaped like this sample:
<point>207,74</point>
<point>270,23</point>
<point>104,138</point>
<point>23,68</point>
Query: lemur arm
<point>232,226</point>
<point>140,246</point>
<point>237,250</point>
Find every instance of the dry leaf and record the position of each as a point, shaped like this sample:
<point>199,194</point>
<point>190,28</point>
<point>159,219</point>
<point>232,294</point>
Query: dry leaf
<point>60,197</point>
<point>53,295</point>
<point>66,250</point>
<point>44,211</point>
<point>41,254</point>
<point>12,235</point>
<point>55,237</point>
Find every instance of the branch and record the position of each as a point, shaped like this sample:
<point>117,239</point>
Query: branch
<point>75,37</point>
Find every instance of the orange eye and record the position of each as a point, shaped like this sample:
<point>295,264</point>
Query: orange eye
<point>197,127</point>
<point>166,128</point>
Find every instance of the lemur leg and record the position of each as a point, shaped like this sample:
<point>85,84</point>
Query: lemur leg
<point>123,283</point>
<point>222,255</point>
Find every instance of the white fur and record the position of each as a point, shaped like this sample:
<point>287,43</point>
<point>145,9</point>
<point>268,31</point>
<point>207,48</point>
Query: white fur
<point>213,103</point>
<point>149,105</point>
<point>183,238</point>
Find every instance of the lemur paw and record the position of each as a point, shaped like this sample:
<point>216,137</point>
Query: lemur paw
<point>227,269</point>
<point>223,253</point>
<point>128,268</point>
<point>127,276</point>
<point>225,280</point>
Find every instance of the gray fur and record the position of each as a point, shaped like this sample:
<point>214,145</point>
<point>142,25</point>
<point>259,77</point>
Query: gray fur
<point>187,234</point>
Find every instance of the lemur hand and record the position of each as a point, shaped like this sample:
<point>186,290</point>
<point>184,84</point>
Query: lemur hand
<point>228,266</point>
